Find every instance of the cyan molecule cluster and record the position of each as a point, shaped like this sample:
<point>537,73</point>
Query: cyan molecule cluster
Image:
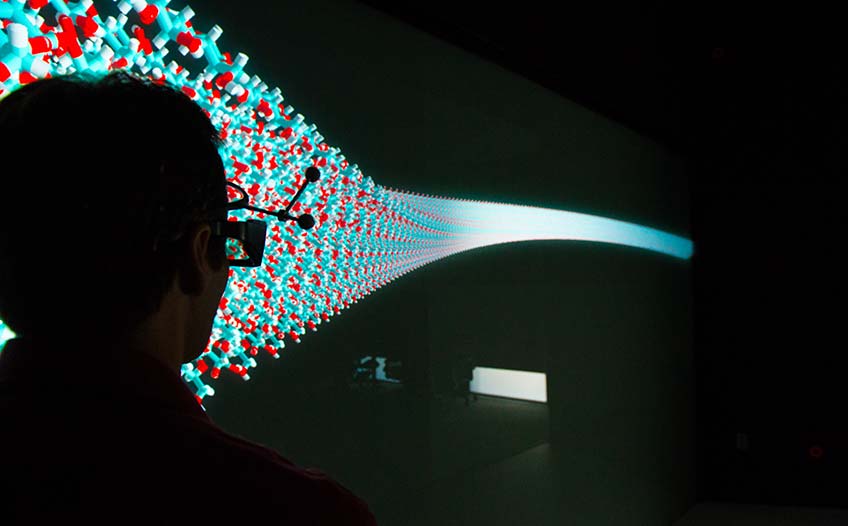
<point>365,235</point>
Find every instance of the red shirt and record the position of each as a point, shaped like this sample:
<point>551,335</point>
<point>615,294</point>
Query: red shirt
<point>122,440</point>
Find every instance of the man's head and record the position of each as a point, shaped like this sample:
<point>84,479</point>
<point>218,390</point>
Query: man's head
<point>108,186</point>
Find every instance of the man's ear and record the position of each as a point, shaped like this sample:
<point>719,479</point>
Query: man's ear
<point>194,269</point>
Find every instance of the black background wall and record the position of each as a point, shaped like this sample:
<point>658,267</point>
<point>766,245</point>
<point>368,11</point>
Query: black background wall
<point>768,327</point>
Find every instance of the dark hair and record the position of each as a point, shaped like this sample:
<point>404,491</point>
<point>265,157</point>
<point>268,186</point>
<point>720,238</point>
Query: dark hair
<point>100,177</point>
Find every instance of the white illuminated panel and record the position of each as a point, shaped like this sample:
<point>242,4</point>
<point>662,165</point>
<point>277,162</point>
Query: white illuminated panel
<point>521,385</point>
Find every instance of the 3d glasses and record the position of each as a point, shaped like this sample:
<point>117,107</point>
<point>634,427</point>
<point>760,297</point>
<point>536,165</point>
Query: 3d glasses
<point>245,240</point>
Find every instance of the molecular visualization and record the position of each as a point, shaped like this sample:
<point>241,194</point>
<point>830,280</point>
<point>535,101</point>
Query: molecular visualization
<point>365,235</point>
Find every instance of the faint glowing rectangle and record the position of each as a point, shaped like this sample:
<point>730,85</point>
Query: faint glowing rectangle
<point>506,383</point>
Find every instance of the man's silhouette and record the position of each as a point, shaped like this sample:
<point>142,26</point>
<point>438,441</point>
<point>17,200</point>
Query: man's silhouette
<point>110,275</point>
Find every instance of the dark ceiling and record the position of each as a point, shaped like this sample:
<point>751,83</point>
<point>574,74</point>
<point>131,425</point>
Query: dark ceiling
<point>632,67</point>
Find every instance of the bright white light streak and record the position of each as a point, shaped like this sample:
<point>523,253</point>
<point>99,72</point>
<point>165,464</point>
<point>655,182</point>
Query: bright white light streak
<point>506,383</point>
<point>473,224</point>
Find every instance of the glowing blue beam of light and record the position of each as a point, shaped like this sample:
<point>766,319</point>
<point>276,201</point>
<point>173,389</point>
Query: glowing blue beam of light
<point>474,224</point>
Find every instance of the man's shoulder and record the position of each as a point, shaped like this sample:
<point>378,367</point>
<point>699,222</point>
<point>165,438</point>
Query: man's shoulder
<point>181,456</point>
<point>265,473</point>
